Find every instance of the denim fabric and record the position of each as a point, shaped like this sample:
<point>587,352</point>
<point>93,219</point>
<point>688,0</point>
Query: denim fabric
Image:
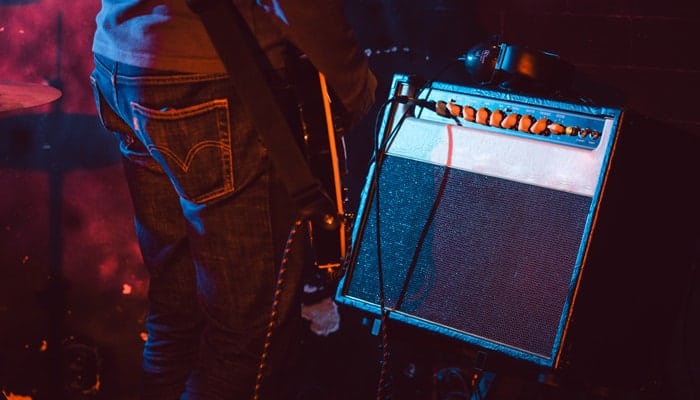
<point>211,221</point>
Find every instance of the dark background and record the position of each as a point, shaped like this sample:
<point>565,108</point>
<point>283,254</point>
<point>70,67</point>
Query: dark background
<point>73,288</point>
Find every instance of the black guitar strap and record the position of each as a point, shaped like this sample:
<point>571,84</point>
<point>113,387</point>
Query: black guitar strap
<point>243,59</point>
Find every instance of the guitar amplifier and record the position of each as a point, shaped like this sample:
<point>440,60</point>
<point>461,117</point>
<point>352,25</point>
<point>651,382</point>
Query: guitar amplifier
<point>478,218</point>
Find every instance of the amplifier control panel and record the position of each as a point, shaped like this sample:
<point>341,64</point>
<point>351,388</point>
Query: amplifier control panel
<point>515,115</point>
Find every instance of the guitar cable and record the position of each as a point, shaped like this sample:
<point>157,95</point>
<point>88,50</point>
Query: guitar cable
<point>275,307</point>
<point>379,153</point>
<point>383,383</point>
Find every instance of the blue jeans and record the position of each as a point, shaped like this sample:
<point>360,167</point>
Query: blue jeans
<point>212,221</point>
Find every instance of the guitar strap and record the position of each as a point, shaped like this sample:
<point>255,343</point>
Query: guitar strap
<point>244,60</point>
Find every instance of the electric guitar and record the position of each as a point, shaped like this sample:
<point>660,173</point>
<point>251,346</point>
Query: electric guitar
<point>320,136</point>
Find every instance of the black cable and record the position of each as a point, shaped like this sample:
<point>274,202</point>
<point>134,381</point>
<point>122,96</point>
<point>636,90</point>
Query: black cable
<point>378,156</point>
<point>380,144</point>
<point>414,261</point>
<point>421,238</point>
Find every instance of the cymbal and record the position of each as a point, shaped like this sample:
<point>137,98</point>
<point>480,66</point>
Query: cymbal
<point>17,96</point>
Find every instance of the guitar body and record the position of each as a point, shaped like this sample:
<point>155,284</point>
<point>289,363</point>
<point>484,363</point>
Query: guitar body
<point>320,137</point>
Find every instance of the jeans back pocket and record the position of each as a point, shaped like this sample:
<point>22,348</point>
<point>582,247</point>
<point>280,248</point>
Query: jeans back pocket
<point>192,144</point>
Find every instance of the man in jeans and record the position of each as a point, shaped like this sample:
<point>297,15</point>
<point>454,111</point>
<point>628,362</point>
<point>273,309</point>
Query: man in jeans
<point>211,214</point>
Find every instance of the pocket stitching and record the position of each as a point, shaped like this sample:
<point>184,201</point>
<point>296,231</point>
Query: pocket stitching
<point>224,144</point>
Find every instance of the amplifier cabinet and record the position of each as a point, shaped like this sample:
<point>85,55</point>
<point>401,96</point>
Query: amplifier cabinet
<point>476,217</point>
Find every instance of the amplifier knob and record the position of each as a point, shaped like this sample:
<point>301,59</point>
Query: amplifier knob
<point>510,121</point>
<point>540,127</point>
<point>482,116</point>
<point>469,113</point>
<point>441,109</point>
<point>595,134</point>
<point>525,123</point>
<point>454,108</point>
<point>496,118</point>
<point>584,132</point>
<point>572,130</point>
<point>557,129</point>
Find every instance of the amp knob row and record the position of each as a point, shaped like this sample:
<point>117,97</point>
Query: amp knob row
<point>525,123</point>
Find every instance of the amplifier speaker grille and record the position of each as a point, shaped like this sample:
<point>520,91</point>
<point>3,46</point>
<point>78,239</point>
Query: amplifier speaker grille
<point>495,261</point>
